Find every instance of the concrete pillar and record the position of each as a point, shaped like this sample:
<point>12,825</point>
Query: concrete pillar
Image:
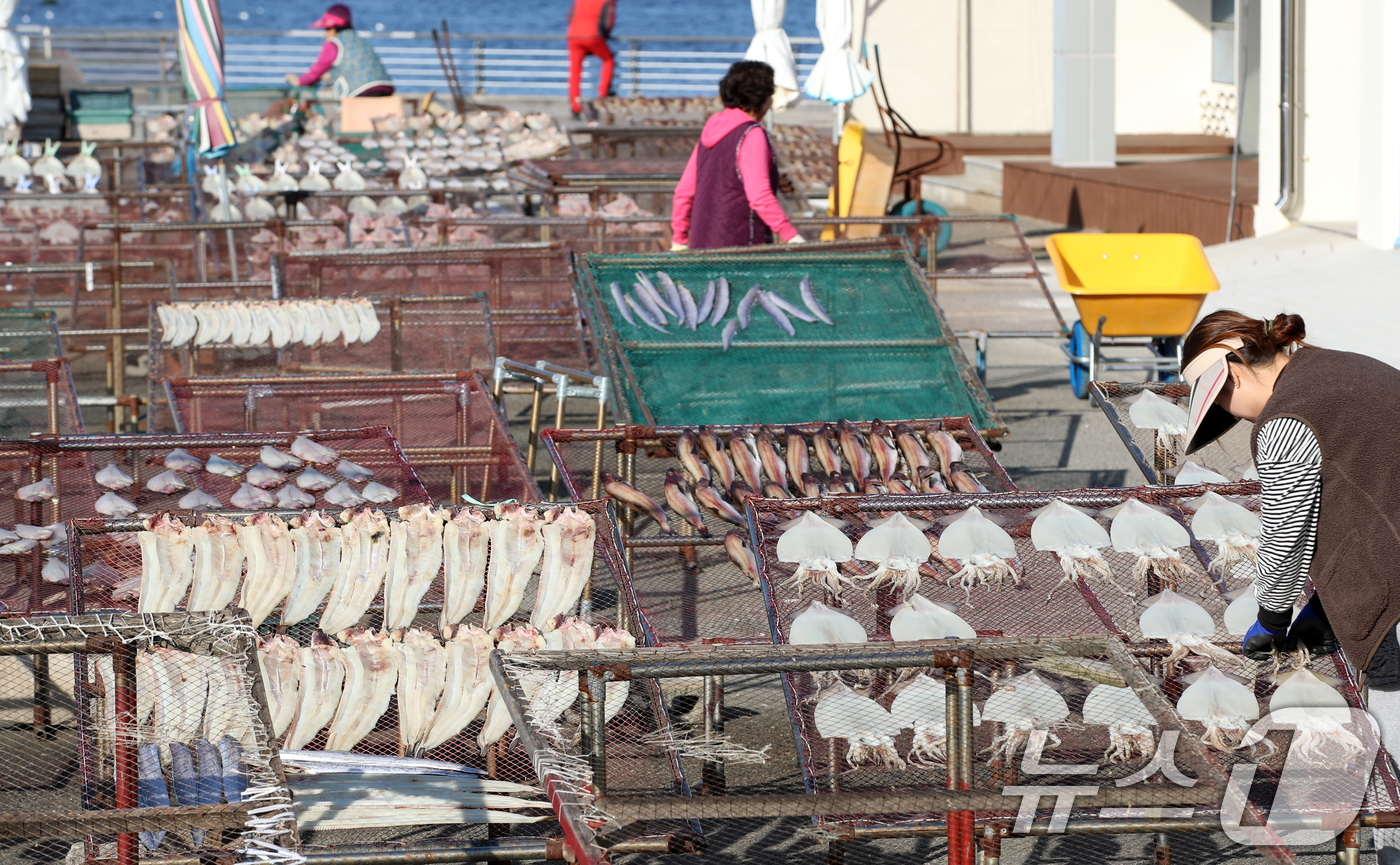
<point>1378,163</point>
<point>1083,134</point>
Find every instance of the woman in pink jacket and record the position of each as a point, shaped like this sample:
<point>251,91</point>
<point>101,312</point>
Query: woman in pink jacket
<point>728,193</point>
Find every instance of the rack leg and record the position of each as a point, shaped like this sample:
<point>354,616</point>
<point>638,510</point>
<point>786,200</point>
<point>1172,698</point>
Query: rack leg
<point>1162,849</point>
<point>1349,845</point>
<point>712,771</point>
<point>991,844</point>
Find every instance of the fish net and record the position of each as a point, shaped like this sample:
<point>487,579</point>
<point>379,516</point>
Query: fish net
<point>38,396</point>
<point>890,352</point>
<point>686,588</point>
<point>447,424</point>
<point>29,334</point>
<point>533,310</point>
<point>416,334</point>
<point>109,543</point>
<point>131,737</point>
<point>1156,452</point>
<point>1096,606</point>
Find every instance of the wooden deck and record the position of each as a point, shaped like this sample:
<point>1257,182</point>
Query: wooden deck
<point>1191,197</point>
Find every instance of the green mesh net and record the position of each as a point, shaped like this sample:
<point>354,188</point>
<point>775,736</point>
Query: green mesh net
<point>29,334</point>
<point>890,352</point>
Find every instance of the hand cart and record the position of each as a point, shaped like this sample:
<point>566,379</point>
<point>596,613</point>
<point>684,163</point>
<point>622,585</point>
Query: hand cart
<point>1140,290</point>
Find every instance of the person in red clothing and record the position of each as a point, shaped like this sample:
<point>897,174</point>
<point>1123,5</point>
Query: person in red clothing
<point>590,22</point>
<point>727,195</point>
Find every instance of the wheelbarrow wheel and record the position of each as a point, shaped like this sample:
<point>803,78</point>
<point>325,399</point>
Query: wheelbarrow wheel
<point>1080,344</point>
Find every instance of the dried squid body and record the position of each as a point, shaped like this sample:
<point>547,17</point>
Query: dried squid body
<point>1234,529</point>
<point>1073,536</point>
<point>816,547</point>
<point>982,547</point>
<point>868,729</point>
<point>1023,703</point>
<point>821,625</point>
<point>921,619</point>
<point>922,705</point>
<point>1147,410</point>
<point>1223,705</point>
<point>1184,624</point>
<point>1321,717</point>
<point>898,546</point>
<point>1154,538</point>
<point>1128,721</point>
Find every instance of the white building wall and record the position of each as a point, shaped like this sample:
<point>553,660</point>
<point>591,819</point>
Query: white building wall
<point>1331,84</point>
<point>1163,65</point>
<point>1378,165</point>
<point>1012,66</point>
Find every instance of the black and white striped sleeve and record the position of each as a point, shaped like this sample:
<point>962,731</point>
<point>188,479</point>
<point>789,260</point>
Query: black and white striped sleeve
<point>1289,462</point>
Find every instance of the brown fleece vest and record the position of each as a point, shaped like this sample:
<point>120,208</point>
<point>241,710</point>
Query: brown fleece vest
<point>1352,405</point>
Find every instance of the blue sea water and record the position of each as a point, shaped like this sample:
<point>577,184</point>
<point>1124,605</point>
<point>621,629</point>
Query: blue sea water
<point>634,17</point>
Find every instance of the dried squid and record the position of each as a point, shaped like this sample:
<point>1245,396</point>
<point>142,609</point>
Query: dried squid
<point>898,545</point>
<point>517,545</point>
<point>465,542</point>
<point>1185,625</point>
<point>816,547</point>
<point>821,625</point>
<point>1190,474</point>
<point>1075,538</point>
<point>922,705</point>
<point>868,729</point>
<point>1150,411</point>
<point>984,549</point>
<point>371,670</point>
<point>1023,703</point>
<point>565,566</point>
<point>1154,538</point>
<point>1222,704</point>
<point>467,686</point>
<point>921,619</point>
<point>1234,529</point>
<point>1319,715</point>
<point>1128,721</point>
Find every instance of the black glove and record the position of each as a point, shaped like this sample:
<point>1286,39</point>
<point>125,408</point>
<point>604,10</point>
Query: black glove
<point>1263,637</point>
<point>1312,631</point>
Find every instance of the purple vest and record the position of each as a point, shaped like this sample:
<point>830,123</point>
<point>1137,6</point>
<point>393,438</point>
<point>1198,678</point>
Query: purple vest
<point>720,215</point>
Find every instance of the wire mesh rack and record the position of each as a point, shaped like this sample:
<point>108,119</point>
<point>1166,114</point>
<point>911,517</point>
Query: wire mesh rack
<point>142,738</point>
<point>416,334</point>
<point>1102,604</point>
<point>493,755</point>
<point>29,334</point>
<point>685,587</point>
<point>893,353</point>
<point>38,396</point>
<point>902,758</point>
<point>1159,452</point>
<point>533,309</point>
<point>447,423</point>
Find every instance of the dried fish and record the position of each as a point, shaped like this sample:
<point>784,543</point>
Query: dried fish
<point>151,791</point>
<point>113,478</point>
<point>509,641</point>
<point>746,305</point>
<point>721,306</point>
<point>309,451</point>
<point>883,450</point>
<point>620,300</point>
<point>181,460</point>
<point>316,543</point>
<point>800,315</point>
<point>688,308</point>
<point>415,557</point>
<point>689,456</point>
<point>853,449</point>
<point>468,684</point>
<point>166,564</point>
<point>714,452</point>
<point>765,300</point>
<point>250,498</point>
<point>267,543</point>
<point>422,675</point>
<point>740,554</point>
<point>371,670</point>
<point>271,457</point>
<point>40,491</point>
<point>630,495</point>
<point>166,482</point>
<point>218,564</point>
<point>678,497</point>
<point>199,500</point>
<point>265,477</point>
<point>809,299</point>
<point>364,560</point>
<point>379,493</point>
<point>716,504</point>
<point>279,658</point>
<point>321,684</point>
<point>565,566</point>
<point>352,472</point>
<point>727,335</point>
<point>707,302</point>
<point>516,548</point>
<point>313,481</point>
<point>342,495</point>
<point>465,540</point>
<point>744,451</point>
<point>796,456</point>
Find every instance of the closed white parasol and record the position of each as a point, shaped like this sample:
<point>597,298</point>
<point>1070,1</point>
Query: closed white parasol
<point>14,82</point>
<point>837,76</point>
<point>770,44</point>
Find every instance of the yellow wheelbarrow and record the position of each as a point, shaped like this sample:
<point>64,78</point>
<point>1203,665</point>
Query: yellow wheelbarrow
<point>1139,290</point>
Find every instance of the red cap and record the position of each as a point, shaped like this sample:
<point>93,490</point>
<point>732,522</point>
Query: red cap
<point>337,16</point>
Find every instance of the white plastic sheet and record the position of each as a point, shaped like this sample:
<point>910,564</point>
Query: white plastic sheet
<point>838,76</point>
<point>14,80</point>
<point>770,44</point>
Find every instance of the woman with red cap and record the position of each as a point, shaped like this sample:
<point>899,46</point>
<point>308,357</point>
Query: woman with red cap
<point>354,68</point>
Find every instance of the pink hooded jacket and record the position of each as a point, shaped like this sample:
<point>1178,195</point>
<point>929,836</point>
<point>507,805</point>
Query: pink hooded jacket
<point>754,158</point>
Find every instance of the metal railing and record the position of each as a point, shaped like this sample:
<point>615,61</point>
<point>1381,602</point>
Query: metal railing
<point>487,63</point>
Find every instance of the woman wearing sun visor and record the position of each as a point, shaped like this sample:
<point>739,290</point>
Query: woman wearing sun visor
<point>1328,458</point>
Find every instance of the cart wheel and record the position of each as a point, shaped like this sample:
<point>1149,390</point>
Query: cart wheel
<point>909,207</point>
<point>1080,344</point>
